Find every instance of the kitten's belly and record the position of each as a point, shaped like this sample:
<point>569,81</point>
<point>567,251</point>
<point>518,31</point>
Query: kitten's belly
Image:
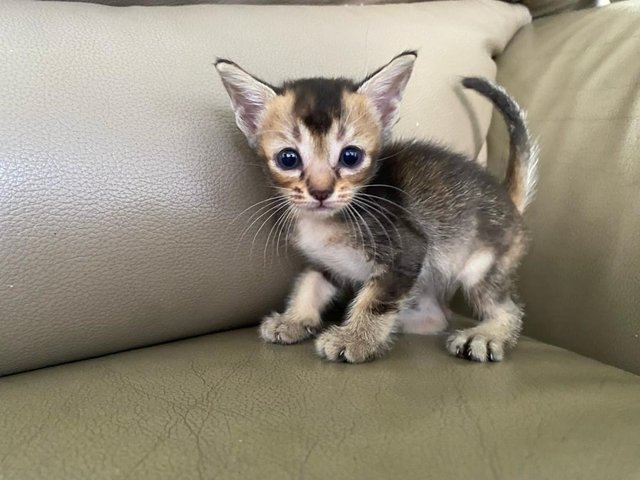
<point>327,244</point>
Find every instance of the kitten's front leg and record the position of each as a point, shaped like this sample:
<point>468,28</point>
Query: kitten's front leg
<point>366,333</point>
<point>301,319</point>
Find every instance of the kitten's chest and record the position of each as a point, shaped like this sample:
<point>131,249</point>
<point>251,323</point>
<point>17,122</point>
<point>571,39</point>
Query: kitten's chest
<point>328,244</point>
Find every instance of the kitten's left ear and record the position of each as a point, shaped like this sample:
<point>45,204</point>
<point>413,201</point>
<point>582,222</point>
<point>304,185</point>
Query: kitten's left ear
<point>386,86</point>
<point>249,97</point>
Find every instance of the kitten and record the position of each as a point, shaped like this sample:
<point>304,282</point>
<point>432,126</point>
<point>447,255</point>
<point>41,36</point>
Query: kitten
<point>406,222</point>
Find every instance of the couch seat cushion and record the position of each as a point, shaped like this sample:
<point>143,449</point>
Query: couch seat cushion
<point>228,406</point>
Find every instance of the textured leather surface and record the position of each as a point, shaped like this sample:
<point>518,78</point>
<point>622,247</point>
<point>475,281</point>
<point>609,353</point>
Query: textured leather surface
<point>227,406</point>
<point>580,84</point>
<point>537,7</point>
<point>121,167</point>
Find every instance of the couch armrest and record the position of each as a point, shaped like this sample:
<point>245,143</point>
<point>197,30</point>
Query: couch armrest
<point>578,75</point>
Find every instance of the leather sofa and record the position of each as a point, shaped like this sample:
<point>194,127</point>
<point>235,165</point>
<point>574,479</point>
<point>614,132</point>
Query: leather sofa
<point>130,296</point>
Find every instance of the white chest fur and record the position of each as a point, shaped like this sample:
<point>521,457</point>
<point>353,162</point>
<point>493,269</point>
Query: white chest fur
<point>326,243</point>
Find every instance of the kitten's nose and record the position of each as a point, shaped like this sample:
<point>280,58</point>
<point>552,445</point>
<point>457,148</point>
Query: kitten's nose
<point>320,195</point>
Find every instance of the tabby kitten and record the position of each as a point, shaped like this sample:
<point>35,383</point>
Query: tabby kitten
<point>405,222</point>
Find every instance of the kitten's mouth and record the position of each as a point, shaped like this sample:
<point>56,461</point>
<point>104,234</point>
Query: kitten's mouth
<point>321,207</point>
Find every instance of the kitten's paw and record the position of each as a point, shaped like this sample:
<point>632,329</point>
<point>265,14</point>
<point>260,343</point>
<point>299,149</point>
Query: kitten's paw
<point>341,344</point>
<point>281,328</point>
<point>477,347</point>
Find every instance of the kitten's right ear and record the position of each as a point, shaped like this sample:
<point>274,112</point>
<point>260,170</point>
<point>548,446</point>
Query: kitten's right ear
<point>249,97</point>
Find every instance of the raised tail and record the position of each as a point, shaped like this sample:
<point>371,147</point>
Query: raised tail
<point>522,170</point>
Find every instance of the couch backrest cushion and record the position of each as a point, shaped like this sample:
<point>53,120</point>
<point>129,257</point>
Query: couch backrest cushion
<point>580,85</point>
<point>538,8</point>
<point>121,168</point>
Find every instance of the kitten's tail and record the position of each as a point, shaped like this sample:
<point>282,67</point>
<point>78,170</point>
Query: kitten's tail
<point>522,170</point>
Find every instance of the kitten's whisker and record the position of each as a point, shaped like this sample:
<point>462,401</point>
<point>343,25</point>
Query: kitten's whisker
<point>269,208</point>
<point>407,147</point>
<point>273,228</point>
<point>357,224</point>
<point>389,186</point>
<point>271,199</point>
<point>381,208</point>
<point>350,228</point>
<point>376,208</point>
<point>391,202</point>
<point>285,219</point>
<point>262,226</point>
<point>281,230</point>
<point>260,213</point>
<point>292,223</point>
<point>382,227</point>
<point>263,207</point>
<point>369,233</point>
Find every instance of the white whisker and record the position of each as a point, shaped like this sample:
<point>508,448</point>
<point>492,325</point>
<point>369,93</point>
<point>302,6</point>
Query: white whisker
<point>272,199</point>
<point>381,210</point>
<point>262,226</point>
<point>389,201</point>
<point>269,208</point>
<point>368,212</point>
<point>274,227</point>
<point>369,233</point>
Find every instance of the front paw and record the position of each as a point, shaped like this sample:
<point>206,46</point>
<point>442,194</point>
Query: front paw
<point>284,329</point>
<point>341,344</point>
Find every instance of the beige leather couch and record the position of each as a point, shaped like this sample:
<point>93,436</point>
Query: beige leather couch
<point>121,177</point>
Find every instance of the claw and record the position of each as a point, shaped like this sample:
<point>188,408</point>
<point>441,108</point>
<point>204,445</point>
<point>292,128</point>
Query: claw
<point>467,350</point>
<point>490,354</point>
<point>278,337</point>
<point>458,352</point>
<point>341,355</point>
<point>310,330</point>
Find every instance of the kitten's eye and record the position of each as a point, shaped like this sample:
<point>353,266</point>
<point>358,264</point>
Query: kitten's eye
<point>351,157</point>
<point>288,159</point>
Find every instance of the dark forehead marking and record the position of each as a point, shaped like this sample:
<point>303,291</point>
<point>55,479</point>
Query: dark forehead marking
<point>318,101</point>
<point>296,132</point>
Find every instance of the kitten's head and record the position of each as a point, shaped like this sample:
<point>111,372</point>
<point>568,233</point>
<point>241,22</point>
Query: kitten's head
<point>319,137</point>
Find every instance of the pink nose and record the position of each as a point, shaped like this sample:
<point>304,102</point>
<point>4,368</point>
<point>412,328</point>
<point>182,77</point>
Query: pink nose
<point>320,195</point>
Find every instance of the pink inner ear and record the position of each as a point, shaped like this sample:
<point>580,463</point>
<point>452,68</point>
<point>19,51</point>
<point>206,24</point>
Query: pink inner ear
<point>386,87</point>
<point>248,111</point>
<point>387,95</point>
<point>248,106</point>
<point>248,96</point>
<point>388,108</point>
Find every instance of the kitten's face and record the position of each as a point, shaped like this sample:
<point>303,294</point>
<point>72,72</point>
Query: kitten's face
<point>319,137</point>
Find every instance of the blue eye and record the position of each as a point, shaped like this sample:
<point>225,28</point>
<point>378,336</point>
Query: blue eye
<point>351,157</point>
<point>288,159</point>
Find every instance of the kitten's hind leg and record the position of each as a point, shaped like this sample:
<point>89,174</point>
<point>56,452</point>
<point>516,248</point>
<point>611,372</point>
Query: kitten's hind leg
<point>424,316</point>
<point>499,329</point>
<point>301,319</point>
<point>488,284</point>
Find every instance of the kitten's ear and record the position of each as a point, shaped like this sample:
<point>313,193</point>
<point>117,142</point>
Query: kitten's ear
<point>249,97</point>
<point>386,86</point>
